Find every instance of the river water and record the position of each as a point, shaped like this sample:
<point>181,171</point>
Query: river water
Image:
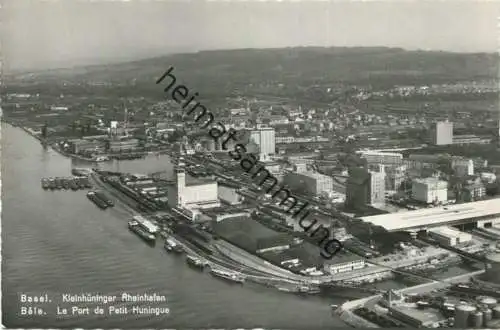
<point>57,242</point>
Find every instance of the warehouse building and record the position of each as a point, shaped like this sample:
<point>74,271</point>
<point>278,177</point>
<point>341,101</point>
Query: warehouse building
<point>449,236</point>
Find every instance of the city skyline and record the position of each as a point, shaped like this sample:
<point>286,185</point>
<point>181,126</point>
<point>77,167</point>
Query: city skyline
<point>41,35</point>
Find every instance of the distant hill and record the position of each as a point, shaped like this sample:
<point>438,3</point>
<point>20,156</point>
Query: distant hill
<point>298,66</point>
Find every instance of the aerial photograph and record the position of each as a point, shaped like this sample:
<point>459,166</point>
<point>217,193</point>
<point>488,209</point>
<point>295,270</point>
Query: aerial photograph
<point>250,165</point>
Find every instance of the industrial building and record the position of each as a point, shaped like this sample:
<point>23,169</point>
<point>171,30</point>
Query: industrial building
<point>473,190</point>
<point>124,145</point>
<point>395,176</point>
<point>190,192</point>
<point>343,262</point>
<point>429,190</point>
<point>265,139</point>
<point>449,236</point>
<point>483,214</point>
<point>365,187</point>
<point>470,139</point>
<point>414,317</point>
<point>309,182</point>
<point>442,133</point>
<point>385,158</point>
<point>228,193</point>
<point>462,166</point>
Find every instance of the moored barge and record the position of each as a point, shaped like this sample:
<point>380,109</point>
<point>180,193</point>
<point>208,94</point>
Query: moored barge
<point>229,276</point>
<point>135,227</point>
<point>195,262</point>
<point>96,200</point>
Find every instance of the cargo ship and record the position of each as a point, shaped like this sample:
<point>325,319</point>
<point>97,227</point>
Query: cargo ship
<point>45,183</point>
<point>105,198</point>
<point>195,262</point>
<point>172,246</point>
<point>229,276</point>
<point>97,201</point>
<point>136,227</point>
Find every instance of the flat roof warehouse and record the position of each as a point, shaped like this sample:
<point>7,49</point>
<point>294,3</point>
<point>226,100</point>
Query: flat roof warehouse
<point>435,217</point>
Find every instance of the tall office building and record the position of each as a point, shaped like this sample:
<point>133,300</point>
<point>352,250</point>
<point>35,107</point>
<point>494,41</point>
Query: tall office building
<point>442,133</point>
<point>265,139</point>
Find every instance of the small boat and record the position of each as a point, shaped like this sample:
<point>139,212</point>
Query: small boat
<point>286,289</point>
<point>105,198</point>
<point>172,246</point>
<point>136,228</point>
<point>72,184</point>
<point>96,200</point>
<point>195,262</point>
<point>65,183</point>
<point>81,185</point>
<point>52,183</point>
<point>230,276</point>
<point>308,289</point>
<point>45,183</point>
<point>58,182</point>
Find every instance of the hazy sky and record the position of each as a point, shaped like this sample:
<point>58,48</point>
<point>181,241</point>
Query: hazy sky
<point>42,34</point>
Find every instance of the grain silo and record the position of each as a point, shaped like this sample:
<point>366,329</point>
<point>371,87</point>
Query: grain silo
<point>488,301</point>
<point>476,320</point>
<point>487,316</point>
<point>496,312</point>
<point>462,314</point>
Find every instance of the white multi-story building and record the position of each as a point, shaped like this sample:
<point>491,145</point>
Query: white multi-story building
<point>429,190</point>
<point>442,133</point>
<point>265,139</point>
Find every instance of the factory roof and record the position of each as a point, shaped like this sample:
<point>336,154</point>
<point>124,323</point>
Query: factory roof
<point>343,257</point>
<point>435,217</point>
<point>381,153</point>
<point>193,181</point>
<point>446,231</point>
